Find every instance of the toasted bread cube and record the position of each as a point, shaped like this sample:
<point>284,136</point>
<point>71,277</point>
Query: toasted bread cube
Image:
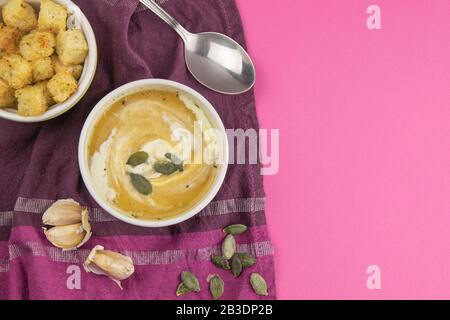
<point>42,69</point>
<point>19,14</point>
<point>48,96</point>
<point>52,16</point>
<point>16,71</point>
<point>74,70</point>
<point>31,101</point>
<point>9,40</point>
<point>71,47</point>
<point>37,45</point>
<point>62,86</point>
<point>7,98</point>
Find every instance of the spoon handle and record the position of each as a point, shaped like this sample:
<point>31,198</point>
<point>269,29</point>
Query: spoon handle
<point>156,8</point>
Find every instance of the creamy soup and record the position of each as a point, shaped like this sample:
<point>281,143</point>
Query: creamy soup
<point>153,155</point>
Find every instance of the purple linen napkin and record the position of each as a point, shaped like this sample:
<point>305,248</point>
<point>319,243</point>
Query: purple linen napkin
<point>38,165</point>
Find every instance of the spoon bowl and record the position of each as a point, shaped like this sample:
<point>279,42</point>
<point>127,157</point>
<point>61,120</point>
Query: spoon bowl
<point>219,63</point>
<point>214,59</point>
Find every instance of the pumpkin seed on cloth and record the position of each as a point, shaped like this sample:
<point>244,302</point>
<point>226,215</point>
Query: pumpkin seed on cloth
<point>190,281</point>
<point>246,259</point>
<point>259,284</point>
<point>216,286</point>
<point>235,229</point>
<point>229,246</point>
<point>182,290</point>
<point>220,262</point>
<point>236,266</point>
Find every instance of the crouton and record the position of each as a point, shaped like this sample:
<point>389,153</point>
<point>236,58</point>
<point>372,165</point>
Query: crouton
<point>9,40</point>
<point>74,70</point>
<point>16,71</point>
<point>37,45</point>
<point>7,99</point>
<point>71,47</point>
<point>48,96</point>
<point>52,16</point>
<point>19,14</point>
<point>62,86</point>
<point>42,69</point>
<point>31,101</point>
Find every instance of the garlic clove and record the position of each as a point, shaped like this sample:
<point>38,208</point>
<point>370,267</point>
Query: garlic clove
<point>85,220</point>
<point>114,264</point>
<point>109,263</point>
<point>63,212</point>
<point>66,237</point>
<point>70,224</point>
<point>85,227</point>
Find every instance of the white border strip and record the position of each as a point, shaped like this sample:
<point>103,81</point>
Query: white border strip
<point>216,208</point>
<point>131,4</point>
<point>140,258</point>
<point>6,218</point>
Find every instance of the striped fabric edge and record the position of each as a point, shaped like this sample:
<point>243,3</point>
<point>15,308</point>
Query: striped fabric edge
<point>6,218</point>
<point>122,3</point>
<point>140,258</point>
<point>4,265</point>
<point>131,4</point>
<point>215,208</point>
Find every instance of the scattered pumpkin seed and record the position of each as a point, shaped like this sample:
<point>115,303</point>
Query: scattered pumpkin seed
<point>259,285</point>
<point>220,262</point>
<point>190,281</point>
<point>182,289</point>
<point>137,158</point>
<point>142,185</point>
<point>216,286</point>
<point>239,261</point>
<point>235,229</point>
<point>236,266</point>
<point>246,259</point>
<point>228,247</point>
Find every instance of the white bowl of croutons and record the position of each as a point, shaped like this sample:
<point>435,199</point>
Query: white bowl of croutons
<point>48,58</point>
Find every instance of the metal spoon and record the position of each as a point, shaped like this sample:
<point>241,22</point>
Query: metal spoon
<point>215,60</point>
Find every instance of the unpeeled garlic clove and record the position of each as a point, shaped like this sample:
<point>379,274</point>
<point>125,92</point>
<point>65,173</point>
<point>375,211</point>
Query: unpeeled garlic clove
<point>66,237</point>
<point>109,263</point>
<point>62,213</point>
<point>67,224</point>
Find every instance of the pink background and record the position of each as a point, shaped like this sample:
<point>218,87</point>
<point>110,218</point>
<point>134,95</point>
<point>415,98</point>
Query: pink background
<point>365,144</point>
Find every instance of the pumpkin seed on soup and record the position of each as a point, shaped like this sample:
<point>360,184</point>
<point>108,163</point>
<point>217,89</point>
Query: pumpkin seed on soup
<point>167,168</point>
<point>141,184</point>
<point>137,158</point>
<point>175,160</point>
<point>164,167</point>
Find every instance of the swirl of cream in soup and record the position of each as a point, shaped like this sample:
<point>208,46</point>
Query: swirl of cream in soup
<point>158,123</point>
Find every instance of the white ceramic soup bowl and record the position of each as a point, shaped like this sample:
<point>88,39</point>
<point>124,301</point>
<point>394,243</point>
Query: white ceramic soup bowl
<point>76,19</point>
<point>129,89</point>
